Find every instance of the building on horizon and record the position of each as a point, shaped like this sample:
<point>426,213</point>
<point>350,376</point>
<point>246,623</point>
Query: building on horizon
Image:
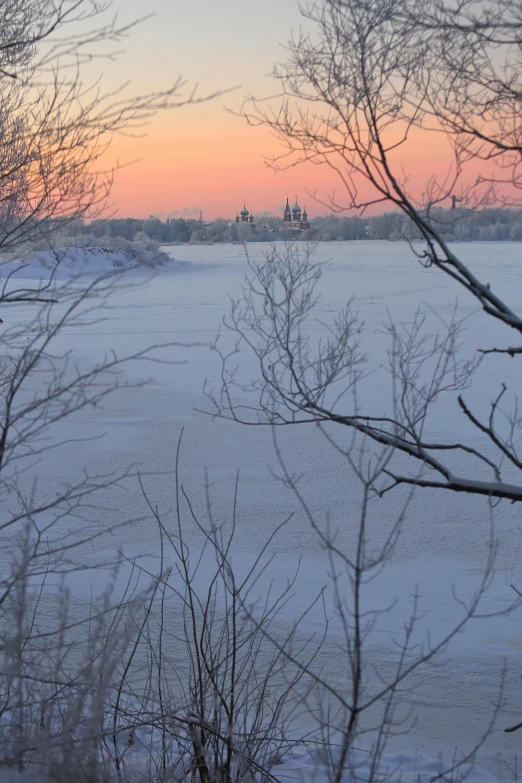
<point>245,217</point>
<point>294,219</point>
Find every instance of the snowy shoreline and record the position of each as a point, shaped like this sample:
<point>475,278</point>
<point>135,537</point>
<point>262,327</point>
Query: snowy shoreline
<point>63,262</point>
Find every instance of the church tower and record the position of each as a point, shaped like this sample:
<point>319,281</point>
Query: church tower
<point>294,219</point>
<point>245,217</point>
<point>296,212</point>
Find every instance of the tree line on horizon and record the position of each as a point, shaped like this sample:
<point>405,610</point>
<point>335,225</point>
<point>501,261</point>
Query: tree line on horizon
<point>498,224</point>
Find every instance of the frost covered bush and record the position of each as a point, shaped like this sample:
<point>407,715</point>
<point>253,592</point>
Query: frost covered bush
<point>163,683</point>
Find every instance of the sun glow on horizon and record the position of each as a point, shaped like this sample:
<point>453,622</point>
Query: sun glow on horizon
<point>201,157</point>
<point>211,161</point>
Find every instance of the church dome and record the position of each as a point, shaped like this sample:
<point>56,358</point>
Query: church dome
<point>244,212</point>
<point>296,208</point>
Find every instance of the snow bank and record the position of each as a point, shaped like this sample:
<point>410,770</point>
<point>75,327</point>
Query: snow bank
<point>8,775</point>
<point>84,255</point>
<point>306,768</point>
<point>393,767</point>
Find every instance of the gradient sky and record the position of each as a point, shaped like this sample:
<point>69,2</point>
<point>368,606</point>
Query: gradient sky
<point>202,157</point>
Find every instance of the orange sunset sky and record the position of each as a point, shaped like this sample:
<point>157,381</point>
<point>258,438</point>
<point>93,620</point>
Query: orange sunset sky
<point>202,157</point>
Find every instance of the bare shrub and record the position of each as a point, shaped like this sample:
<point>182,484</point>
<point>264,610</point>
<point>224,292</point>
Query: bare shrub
<point>367,79</point>
<point>54,130</point>
<point>356,92</point>
<point>308,379</point>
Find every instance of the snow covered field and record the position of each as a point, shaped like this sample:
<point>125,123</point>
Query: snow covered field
<point>445,537</point>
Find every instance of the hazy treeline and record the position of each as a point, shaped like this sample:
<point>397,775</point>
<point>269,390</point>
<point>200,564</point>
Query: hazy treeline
<point>492,224</point>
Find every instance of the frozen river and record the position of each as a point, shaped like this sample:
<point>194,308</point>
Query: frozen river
<point>444,541</point>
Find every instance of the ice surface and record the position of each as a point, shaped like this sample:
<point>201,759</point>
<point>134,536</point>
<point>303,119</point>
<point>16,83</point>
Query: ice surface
<point>445,538</point>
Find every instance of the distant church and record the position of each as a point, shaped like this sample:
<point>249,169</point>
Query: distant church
<point>245,216</point>
<point>294,219</point>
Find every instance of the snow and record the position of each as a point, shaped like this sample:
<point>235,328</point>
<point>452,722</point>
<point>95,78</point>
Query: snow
<point>12,776</point>
<point>445,538</point>
<point>398,767</point>
<point>67,262</point>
